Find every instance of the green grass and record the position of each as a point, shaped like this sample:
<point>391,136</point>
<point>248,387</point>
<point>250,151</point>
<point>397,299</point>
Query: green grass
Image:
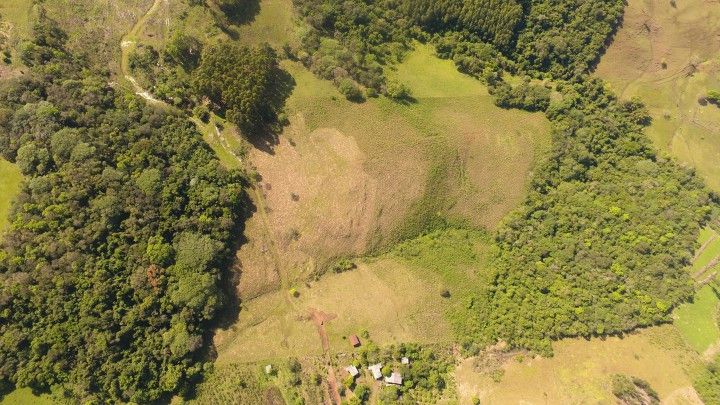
<point>429,76</point>
<point>710,251</point>
<point>697,321</point>
<point>470,158</point>
<point>274,25</point>
<point>10,179</point>
<point>25,396</point>
<point>18,13</point>
<point>579,371</point>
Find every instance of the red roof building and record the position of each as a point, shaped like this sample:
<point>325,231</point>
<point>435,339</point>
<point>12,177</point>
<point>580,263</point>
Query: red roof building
<point>354,341</point>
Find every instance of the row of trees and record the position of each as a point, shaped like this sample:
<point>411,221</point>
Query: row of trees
<point>494,21</point>
<point>112,272</point>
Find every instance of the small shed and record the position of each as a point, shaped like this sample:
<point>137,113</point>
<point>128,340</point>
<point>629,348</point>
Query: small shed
<point>354,340</point>
<point>376,370</point>
<point>268,369</point>
<point>352,370</point>
<point>405,360</point>
<point>394,379</point>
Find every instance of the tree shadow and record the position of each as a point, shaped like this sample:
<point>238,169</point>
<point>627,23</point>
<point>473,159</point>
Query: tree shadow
<point>266,135</point>
<point>240,12</point>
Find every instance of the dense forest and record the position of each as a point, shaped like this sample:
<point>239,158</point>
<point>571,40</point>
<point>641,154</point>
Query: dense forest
<point>111,274</point>
<point>603,240</point>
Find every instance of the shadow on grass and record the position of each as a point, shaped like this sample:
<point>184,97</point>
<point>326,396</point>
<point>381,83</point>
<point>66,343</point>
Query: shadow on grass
<point>266,135</point>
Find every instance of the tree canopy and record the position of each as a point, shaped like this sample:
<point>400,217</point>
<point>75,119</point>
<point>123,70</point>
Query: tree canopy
<point>111,274</point>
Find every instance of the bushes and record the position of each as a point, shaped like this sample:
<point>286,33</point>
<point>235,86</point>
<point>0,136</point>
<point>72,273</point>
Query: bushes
<point>633,391</point>
<point>713,96</point>
<point>526,96</point>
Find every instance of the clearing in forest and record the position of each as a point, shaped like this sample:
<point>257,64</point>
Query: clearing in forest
<point>667,53</point>
<point>10,179</point>
<point>348,178</point>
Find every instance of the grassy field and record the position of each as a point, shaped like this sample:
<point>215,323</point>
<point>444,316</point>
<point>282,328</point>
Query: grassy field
<point>10,179</point>
<point>367,175</point>
<point>395,297</point>
<point>17,12</point>
<point>25,396</point>
<point>580,371</point>
<point>664,55</point>
<point>697,321</point>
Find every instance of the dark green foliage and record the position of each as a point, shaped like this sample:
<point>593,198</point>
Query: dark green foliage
<point>565,37</point>
<point>239,11</point>
<point>240,81</point>
<point>472,57</point>
<point>526,96</point>
<point>493,21</point>
<point>601,244</point>
<point>48,44</point>
<point>184,50</point>
<point>111,274</point>
<point>633,391</point>
<point>349,38</point>
<point>343,265</point>
<point>350,90</point>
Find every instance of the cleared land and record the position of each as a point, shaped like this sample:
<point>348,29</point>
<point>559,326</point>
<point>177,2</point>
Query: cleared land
<point>10,179</point>
<point>25,396</point>
<point>668,56</point>
<point>580,371</point>
<point>395,297</point>
<point>348,178</point>
<point>697,321</point>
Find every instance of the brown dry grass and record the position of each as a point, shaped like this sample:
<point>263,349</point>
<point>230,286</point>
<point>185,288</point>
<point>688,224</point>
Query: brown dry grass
<point>580,371</point>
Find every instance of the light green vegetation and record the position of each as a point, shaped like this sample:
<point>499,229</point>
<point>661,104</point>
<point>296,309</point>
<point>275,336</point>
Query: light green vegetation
<point>274,24</point>
<point>697,321</point>
<point>580,370</point>
<point>25,396</point>
<point>396,297</point>
<point>658,54</point>
<point>10,179</point>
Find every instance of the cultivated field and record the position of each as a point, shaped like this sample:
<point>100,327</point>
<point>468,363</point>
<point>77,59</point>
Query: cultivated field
<point>667,53</point>
<point>10,179</point>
